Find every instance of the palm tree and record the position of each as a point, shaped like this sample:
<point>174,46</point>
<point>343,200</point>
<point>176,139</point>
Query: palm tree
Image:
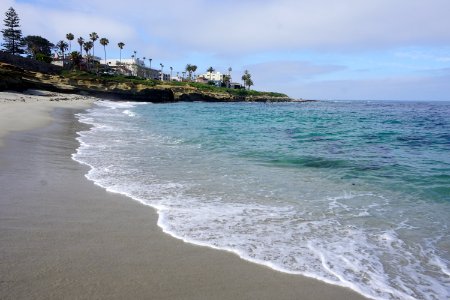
<point>76,58</point>
<point>150,61</point>
<point>249,82</point>
<point>143,59</point>
<point>162,74</point>
<point>62,46</point>
<point>81,42</point>
<point>189,70</point>
<point>194,68</point>
<point>171,69</point>
<point>245,76</point>
<point>226,80</point>
<point>93,36</point>
<point>70,38</point>
<point>184,74</point>
<point>210,70</point>
<point>104,42</point>
<point>247,79</point>
<point>87,47</point>
<point>120,45</point>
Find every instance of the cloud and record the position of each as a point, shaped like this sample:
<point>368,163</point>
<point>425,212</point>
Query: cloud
<point>292,46</point>
<point>54,23</point>
<point>390,88</point>
<point>245,26</point>
<point>443,55</point>
<point>289,71</point>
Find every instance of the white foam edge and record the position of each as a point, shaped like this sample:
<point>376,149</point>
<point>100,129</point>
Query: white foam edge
<point>165,228</point>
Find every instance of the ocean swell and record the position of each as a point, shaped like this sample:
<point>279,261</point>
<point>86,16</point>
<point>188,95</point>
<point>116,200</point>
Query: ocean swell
<point>305,223</point>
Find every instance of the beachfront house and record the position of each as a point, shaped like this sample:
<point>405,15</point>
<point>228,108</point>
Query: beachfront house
<point>66,61</point>
<point>236,86</point>
<point>213,76</point>
<point>134,67</point>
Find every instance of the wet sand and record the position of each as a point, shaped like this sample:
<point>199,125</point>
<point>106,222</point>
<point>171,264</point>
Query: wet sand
<point>62,237</point>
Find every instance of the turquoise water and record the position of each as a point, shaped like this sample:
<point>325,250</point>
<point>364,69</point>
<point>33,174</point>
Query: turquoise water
<point>356,193</point>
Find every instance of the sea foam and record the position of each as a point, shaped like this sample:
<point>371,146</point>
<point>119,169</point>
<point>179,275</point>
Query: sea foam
<point>301,223</point>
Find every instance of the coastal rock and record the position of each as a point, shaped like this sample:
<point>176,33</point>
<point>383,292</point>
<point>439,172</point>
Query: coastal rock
<point>15,77</point>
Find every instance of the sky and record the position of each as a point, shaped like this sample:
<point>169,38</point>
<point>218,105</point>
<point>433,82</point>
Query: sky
<point>310,49</point>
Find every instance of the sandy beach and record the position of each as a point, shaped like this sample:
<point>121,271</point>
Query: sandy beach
<point>62,237</point>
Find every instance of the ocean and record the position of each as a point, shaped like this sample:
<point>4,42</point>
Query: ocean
<point>353,193</point>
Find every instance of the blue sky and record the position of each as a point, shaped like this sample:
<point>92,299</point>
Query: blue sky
<point>311,49</point>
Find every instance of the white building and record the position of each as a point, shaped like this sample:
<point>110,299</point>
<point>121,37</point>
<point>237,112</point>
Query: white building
<point>214,76</point>
<point>133,67</point>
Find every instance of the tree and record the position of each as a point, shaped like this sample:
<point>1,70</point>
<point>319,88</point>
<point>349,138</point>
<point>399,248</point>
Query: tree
<point>38,45</point>
<point>12,35</point>
<point>210,71</point>
<point>70,38</point>
<point>247,79</point>
<point>81,42</point>
<point>150,61</point>
<point>194,68</point>
<point>87,47</point>
<point>226,80</point>
<point>76,59</point>
<point>249,82</point>
<point>162,73</point>
<point>191,69</point>
<point>104,42</point>
<point>120,45</point>
<point>62,46</point>
<point>93,37</point>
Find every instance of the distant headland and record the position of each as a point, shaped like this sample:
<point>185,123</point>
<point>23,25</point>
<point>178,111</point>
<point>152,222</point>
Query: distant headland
<point>19,73</point>
<point>34,62</point>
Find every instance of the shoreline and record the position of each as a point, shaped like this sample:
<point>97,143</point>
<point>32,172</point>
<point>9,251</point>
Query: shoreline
<point>65,237</point>
<point>34,109</point>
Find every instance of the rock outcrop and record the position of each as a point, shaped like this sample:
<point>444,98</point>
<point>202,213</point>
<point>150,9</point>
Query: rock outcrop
<point>16,78</point>
<point>19,78</point>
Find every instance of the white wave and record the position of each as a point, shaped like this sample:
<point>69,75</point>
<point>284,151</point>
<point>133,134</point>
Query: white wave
<point>315,240</point>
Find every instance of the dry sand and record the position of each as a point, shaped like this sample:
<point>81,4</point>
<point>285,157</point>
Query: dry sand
<point>62,237</point>
<point>22,111</point>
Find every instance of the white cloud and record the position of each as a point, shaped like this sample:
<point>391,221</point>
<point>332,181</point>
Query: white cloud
<point>4,5</point>
<point>389,88</point>
<point>54,24</point>
<point>256,33</point>
<point>282,72</point>
<point>245,26</point>
<point>443,55</point>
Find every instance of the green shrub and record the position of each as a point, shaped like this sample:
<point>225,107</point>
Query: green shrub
<point>43,57</point>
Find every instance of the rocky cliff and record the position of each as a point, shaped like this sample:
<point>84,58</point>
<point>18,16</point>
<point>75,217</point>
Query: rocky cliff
<point>17,77</point>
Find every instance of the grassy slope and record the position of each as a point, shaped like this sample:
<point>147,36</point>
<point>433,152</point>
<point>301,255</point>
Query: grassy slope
<point>154,83</point>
